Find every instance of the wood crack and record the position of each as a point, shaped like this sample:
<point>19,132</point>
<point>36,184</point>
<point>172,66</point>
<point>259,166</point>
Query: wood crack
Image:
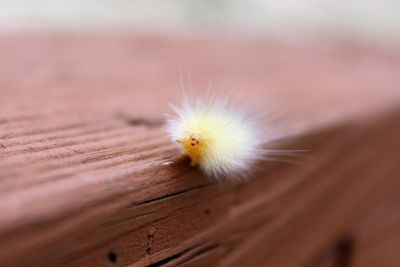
<point>186,255</point>
<point>141,121</point>
<point>167,196</point>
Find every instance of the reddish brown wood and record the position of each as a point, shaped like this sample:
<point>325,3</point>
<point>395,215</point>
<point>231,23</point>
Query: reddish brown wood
<point>84,179</point>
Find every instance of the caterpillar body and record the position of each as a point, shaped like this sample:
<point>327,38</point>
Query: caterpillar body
<point>219,138</point>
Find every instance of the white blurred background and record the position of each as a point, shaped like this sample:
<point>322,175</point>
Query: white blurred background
<point>370,19</point>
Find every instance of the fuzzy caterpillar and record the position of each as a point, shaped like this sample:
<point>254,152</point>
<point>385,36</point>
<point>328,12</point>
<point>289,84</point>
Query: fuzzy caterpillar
<point>219,138</point>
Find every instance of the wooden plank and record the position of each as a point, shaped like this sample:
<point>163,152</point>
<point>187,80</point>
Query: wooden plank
<point>85,178</point>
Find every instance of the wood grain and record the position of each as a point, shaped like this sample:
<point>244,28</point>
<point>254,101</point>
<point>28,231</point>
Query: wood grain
<point>88,177</point>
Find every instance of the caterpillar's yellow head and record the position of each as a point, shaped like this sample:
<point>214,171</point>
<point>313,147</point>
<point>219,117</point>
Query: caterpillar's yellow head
<point>194,147</point>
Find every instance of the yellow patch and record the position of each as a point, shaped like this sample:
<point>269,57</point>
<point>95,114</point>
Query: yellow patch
<point>194,147</point>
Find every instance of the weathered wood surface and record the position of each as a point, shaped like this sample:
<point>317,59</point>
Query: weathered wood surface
<point>84,173</point>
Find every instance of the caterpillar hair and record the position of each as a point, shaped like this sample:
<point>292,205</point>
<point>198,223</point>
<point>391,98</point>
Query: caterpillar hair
<point>220,138</point>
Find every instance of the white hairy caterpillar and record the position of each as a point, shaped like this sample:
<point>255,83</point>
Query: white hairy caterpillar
<point>220,138</point>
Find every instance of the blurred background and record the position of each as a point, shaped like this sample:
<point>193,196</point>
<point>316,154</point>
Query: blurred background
<point>211,41</point>
<point>371,19</point>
